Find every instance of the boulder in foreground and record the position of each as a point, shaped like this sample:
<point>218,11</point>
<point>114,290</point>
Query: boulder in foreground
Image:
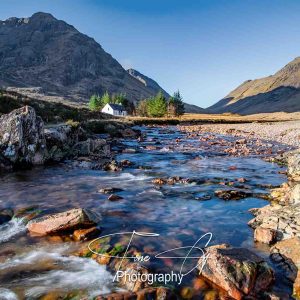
<point>238,271</point>
<point>63,222</point>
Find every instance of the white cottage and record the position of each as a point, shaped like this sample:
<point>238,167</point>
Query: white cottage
<point>114,109</point>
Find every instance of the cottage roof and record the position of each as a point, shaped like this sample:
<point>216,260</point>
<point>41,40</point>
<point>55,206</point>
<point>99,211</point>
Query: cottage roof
<point>116,106</point>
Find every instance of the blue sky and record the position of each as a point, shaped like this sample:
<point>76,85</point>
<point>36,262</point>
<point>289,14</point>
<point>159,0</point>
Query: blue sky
<point>203,48</point>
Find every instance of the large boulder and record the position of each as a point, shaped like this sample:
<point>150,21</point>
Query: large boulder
<point>70,220</point>
<point>22,140</point>
<point>238,271</point>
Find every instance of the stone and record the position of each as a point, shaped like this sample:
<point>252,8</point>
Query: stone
<point>289,251</point>
<point>112,166</point>
<point>92,146</point>
<point>238,271</point>
<point>294,196</point>
<point>130,133</point>
<point>158,293</point>
<point>265,235</point>
<point>126,163</point>
<point>293,162</point>
<point>85,234</point>
<point>159,181</point>
<point>63,222</point>
<point>114,197</point>
<point>231,194</point>
<point>110,190</point>
<point>131,269</point>
<point>22,139</point>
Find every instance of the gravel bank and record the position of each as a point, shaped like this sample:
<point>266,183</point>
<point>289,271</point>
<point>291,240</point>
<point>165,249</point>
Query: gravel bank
<point>282,132</point>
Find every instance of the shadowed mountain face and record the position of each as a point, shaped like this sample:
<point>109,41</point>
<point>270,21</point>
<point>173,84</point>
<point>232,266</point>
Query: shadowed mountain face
<point>44,52</point>
<point>279,92</point>
<point>155,88</point>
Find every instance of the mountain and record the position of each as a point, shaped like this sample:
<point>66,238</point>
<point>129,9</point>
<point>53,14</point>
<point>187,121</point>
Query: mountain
<point>278,92</point>
<point>52,57</point>
<point>155,88</point>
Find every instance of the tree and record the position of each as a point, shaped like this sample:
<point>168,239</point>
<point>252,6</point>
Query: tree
<point>157,106</point>
<point>95,102</point>
<point>119,99</point>
<point>176,105</point>
<point>142,108</point>
<point>105,98</point>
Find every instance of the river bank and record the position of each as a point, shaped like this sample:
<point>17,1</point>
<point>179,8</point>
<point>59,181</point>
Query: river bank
<point>287,132</point>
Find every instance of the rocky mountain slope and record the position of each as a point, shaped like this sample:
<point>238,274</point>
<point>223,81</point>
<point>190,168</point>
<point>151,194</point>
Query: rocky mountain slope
<point>148,82</point>
<point>44,52</point>
<point>155,88</point>
<point>278,92</point>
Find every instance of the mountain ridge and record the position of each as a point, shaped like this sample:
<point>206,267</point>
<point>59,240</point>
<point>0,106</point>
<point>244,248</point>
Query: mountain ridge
<point>274,93</point>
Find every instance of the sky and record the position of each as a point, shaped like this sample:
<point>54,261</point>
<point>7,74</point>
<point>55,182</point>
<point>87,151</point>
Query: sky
<point>204,48</point>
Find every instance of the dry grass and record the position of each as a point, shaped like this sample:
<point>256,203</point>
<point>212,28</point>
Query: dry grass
<point>219,118</point>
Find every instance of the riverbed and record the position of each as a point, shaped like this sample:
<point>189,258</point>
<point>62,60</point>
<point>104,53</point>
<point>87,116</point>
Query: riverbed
<point>31,267</point>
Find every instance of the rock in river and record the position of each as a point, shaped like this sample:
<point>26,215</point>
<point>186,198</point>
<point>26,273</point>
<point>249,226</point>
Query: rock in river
<point>238,271</point>
<point>63,222</point>
<point>231,194</point>
<point>85,234</point>
<point>114,197</point>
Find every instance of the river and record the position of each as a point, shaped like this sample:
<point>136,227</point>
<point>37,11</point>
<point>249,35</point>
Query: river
<point>181,213</point>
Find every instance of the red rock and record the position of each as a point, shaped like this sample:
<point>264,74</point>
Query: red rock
<point>159,181</point>
<point>65,221</point>
<point>265,235</point>
<point>238,271</point>
<point>85,234</point>
<point>242,180</point>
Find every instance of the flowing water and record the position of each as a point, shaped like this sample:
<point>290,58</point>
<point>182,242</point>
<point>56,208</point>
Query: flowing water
<point>33,266</point>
